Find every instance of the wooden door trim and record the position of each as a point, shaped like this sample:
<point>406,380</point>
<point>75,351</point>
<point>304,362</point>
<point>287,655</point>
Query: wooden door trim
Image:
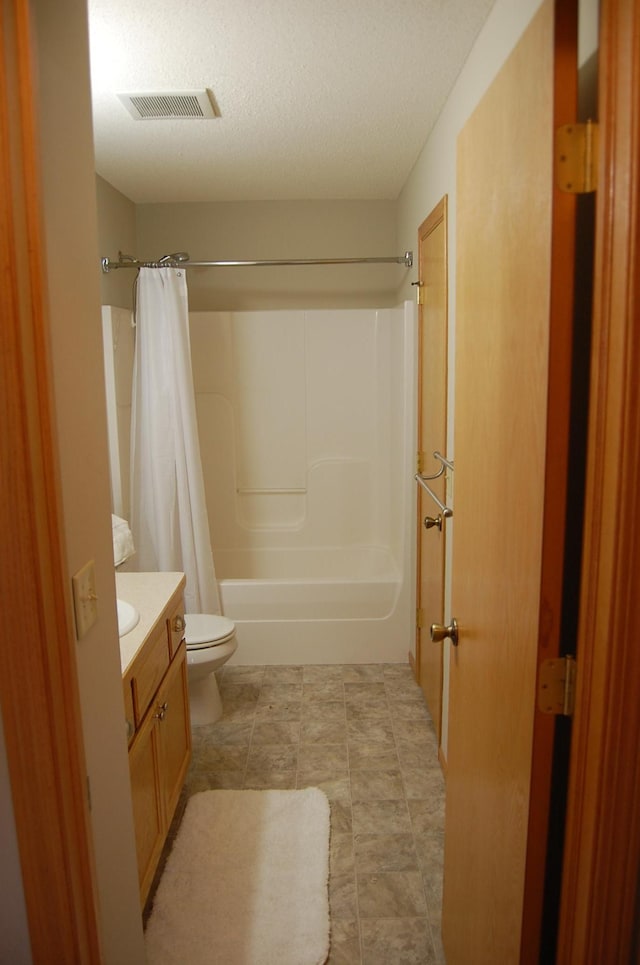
<point>433,219</point>
<point>602,845</point>
<point>38,677</point>
<point>437,217</point>
<point>561,309</point>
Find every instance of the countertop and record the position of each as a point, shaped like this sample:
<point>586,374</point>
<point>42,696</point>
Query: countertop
<point>149,593</point>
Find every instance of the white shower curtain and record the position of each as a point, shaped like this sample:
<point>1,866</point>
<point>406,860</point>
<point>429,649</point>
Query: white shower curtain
<point>168,511</point>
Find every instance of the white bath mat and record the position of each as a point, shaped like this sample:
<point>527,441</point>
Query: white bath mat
<point>246,882</point>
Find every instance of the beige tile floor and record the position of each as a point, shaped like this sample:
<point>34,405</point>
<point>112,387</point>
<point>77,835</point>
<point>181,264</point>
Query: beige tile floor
<point>363,734</point>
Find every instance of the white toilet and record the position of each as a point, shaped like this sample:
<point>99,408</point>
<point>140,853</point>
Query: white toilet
<point>210,642</point>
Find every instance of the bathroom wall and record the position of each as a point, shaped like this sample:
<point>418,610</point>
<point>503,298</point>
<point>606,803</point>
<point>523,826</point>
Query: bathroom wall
<point>278,230</point>
<point>119,344</point>
<point>73,287</point>
<point>300,426</point>
<point>116,232</point>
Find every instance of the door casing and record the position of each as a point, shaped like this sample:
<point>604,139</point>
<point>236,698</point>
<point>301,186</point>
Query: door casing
<point>598,913</point>
<point>432,436</point>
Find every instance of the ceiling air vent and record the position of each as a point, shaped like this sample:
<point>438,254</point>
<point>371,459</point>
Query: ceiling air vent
<point>171,105</point>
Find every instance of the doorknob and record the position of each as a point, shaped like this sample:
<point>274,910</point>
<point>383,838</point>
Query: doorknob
<point>430,521</point>
<point>439,632</point>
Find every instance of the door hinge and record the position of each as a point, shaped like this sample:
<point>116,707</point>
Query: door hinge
<point>420,619</point>
<point>419,461</point>
<point>576,158</point>
<point>419,287</point>
<point>557,686</point>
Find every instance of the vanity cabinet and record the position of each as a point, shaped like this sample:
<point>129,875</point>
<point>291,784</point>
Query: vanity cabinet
<point>156,697</point>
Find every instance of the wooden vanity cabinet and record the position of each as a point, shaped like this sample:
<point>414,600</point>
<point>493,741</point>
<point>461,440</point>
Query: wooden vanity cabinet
<point>160,750</point>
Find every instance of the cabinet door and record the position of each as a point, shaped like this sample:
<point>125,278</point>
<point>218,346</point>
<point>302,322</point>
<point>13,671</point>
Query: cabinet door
<point>174,732</point>
<point>147,810</point>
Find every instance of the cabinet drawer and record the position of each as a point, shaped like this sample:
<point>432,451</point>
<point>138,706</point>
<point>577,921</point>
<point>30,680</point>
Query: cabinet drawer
<point>150,670</point>
<point>176,627</point>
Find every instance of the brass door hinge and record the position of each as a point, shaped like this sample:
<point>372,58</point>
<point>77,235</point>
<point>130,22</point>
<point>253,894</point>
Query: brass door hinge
<point>420,461</point>
<point>576,158</point>
<point>557,686</point>
<point>419,287</point>
<point>420,618</point>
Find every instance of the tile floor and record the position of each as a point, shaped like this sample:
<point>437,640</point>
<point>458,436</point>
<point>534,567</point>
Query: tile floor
<point>363,734</point>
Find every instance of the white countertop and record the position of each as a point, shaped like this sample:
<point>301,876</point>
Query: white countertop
<point>149,593</point>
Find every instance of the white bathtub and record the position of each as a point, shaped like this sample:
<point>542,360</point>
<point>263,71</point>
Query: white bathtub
<point>342,605</point>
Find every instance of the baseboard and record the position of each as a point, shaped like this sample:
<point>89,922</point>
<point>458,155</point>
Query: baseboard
<point>443,762</point>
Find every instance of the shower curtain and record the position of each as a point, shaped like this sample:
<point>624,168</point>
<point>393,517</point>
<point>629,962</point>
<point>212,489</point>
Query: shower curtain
<point>168,510</point>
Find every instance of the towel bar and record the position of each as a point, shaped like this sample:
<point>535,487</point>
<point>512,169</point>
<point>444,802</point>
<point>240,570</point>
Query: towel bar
<point>446,512</point>
<point>446,464</point>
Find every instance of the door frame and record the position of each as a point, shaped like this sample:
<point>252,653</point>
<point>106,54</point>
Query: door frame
<point>602,841</point>
<point>556,486</point>
<point>39,691</point>
<point>437,216</point>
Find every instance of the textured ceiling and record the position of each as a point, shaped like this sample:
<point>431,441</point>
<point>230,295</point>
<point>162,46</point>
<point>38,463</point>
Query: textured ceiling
<point>318,98</point>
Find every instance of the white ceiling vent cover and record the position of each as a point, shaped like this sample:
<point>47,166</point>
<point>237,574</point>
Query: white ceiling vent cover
<point>170,105</point>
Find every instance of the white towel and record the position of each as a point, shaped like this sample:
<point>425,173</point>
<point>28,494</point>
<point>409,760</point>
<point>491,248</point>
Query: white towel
<point>123,547</point>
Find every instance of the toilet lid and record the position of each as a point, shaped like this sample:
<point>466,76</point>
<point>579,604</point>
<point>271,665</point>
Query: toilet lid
<point>207,629</point>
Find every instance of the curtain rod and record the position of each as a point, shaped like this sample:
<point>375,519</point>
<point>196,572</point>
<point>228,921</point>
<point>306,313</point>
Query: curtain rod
<point>181,258</point>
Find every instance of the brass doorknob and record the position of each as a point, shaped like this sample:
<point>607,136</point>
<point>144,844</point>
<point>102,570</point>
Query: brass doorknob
<point>440,632</point>
<point>430,521</point>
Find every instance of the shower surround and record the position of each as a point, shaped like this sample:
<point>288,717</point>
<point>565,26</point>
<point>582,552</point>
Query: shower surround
<point>306,422</point>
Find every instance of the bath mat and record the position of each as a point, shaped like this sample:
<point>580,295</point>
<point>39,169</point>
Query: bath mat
<point>246,882</point>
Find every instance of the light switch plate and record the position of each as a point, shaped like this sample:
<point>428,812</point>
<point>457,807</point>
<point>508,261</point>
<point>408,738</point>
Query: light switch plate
<point>85,600</point>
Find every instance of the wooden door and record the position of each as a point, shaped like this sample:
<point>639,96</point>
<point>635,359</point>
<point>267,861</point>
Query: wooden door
<point>432,436</point>
<point>513,336</point>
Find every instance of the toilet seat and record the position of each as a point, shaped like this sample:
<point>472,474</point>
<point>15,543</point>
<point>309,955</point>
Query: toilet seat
<point>205,630</point>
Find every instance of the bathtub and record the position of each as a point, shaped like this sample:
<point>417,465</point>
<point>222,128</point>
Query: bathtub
<point>329,605</point>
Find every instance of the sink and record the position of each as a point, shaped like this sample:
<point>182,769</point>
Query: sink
<point>128,617</point>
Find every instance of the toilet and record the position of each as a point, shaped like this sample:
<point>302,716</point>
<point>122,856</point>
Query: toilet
<point>210,642</point>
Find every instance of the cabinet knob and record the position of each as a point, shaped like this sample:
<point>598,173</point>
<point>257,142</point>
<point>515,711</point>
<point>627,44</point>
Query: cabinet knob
<point>179,624</point>
<point>162,711</point>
